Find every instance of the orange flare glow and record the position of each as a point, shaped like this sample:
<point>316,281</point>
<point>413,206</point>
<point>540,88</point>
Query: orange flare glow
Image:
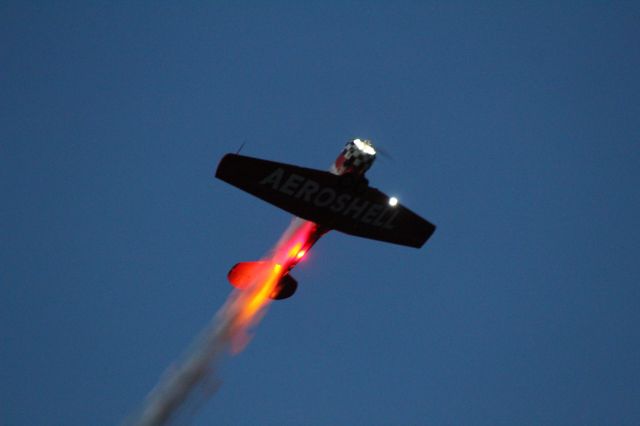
<point>261,294</point>
<point>251,303</point>
<point>295,250</point>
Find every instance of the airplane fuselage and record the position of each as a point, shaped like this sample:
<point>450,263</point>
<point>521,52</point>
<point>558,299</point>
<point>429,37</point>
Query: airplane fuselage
<point>340,199</point>
<point>354,160</point>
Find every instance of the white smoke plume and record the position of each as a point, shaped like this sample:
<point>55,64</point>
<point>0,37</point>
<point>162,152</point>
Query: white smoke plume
<point>192,381</point>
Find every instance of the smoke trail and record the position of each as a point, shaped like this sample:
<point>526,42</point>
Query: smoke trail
<point>187,385</point>
<point>194,379</point>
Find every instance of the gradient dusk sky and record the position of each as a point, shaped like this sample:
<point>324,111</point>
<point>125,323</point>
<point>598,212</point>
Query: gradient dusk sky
<point>513,126</point>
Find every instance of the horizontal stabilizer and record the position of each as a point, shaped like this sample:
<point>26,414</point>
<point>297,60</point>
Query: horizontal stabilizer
<point>244,274</point>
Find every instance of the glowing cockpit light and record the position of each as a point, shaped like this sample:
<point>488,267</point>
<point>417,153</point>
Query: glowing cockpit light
<point>365,146</point>
<point>393,201</point>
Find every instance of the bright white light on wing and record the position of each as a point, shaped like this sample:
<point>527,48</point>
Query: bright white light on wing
<point>393,201</point>
<point>364,146</point>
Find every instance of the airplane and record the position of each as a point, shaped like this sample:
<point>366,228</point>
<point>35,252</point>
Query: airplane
<point>340,199</point>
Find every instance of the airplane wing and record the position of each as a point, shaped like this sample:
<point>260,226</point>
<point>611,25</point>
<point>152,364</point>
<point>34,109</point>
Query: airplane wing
<point>326,199</point>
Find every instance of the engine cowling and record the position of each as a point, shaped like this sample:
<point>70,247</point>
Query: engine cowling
<point>356,157</point>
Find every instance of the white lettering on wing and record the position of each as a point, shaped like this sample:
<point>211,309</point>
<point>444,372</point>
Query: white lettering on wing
<point>310,191</point>
<point>372,213</point>
<point>324,197</point>
<point>356,208</point>
<point>273,179</point>
<point>340,203</point>
<point>389,223</point>
<point>291,184</point>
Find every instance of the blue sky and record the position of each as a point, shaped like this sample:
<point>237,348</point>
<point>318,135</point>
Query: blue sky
<point>513,126</point>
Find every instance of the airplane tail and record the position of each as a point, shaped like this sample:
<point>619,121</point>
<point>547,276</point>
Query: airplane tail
<point>243,275</point>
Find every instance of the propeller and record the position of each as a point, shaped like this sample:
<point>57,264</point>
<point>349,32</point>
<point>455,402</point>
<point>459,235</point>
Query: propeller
<point>384,153</point>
